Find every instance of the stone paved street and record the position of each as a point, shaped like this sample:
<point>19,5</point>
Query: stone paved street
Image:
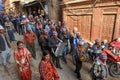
<point>67,73</point>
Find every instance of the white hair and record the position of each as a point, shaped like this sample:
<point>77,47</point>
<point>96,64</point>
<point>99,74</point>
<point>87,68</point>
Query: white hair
<point>75,28</point>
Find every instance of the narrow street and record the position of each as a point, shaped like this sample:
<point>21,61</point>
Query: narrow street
<point>67,73</point>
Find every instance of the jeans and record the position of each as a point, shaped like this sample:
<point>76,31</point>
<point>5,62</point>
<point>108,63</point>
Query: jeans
<point>66,50</point>
<point>56,60</point>
<point>5,56</point>
<point>11,35</point>
<point>20,29</point>
<point>73,53</point>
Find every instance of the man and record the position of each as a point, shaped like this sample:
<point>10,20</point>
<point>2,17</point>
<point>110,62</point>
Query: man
<point>29,38</point>
<point>99,70</point>
<point>5,51</point>
<point>96,49</point>
<point>73,42</point>
<point>25,23</point>
<point>53,44</point>
<point>79,51</point>
<point>44,41</point>
<point>52,29</point>
<point>64,36</point>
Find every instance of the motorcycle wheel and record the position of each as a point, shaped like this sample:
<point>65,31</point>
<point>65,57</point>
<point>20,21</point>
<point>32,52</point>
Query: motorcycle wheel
<point>114,71</point>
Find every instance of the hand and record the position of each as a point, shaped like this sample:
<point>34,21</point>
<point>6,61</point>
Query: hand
<point>56,45</point>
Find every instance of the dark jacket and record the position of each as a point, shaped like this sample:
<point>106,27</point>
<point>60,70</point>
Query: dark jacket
<point>2,43</point>
<point>52,43</point>
<point>64,38</point>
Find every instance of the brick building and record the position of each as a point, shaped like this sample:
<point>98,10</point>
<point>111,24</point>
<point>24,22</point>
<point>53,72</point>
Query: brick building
<point>94,18</point>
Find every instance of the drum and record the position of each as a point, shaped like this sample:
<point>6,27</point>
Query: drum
<point>84,57</point>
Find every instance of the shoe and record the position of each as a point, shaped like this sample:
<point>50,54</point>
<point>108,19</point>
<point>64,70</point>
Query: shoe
<point>60,68</point>
<point>9,62</point>
<point>65,62</point>
<point>79,79</point>
<point>75,71</point>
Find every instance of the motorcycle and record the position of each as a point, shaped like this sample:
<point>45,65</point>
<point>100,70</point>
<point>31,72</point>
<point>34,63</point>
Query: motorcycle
<point>114,63</point>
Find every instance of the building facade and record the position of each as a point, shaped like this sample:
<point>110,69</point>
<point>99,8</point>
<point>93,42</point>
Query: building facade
<point>94,18</point>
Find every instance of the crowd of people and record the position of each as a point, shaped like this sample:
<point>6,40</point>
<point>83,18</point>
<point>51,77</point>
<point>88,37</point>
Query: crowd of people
<point>49,35</point>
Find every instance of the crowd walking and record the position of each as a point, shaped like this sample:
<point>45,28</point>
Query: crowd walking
<point>50,36</point>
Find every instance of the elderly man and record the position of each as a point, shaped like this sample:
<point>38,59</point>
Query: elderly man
<point>29,38</point>
<point>65,37</point>
<point>53,44</point>
<point>99,70</point>
<point>5,51</point>
<point>44,41</point>
<point>73,42</point>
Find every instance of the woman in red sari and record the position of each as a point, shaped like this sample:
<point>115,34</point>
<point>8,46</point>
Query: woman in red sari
<point>23,57</point>
<point>47,69</point>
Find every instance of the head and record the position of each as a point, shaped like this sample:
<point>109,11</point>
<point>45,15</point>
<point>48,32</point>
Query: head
<point>59,23</point>
<point>103,57</point>
<point>64,30</point>
<point>104,41</point>
<point>53,28</point>
<point>36,17</point>
<point>118,39</point>
<point>49,22</point>
<point>39,21</point>
<point>78,35</point>
<point>45,32</point>
<point>98,42</point>
<point>1,29</point>
<point>75,29</point>
<point>7,19</point>
<point>80,46</point>
<point>28,29</point>
<point>20,44</point>
<point>46,56</point>
<point>30,17</point>
<point>55,34</point>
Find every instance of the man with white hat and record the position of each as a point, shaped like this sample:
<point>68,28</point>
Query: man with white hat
<point>5,51</point>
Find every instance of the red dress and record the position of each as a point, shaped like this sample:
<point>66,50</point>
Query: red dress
<point>47,71</point>
<point>22,58</point>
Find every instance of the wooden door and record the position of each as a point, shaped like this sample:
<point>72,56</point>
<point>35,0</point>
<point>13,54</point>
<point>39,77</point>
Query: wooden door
<point>85,25</point>
<point>72,22</point>
<point>108,27</point>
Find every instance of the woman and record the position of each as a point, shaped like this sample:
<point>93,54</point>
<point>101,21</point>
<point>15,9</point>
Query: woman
<point>23,57</point>
<point>10,28</point>
<point>47,69</point>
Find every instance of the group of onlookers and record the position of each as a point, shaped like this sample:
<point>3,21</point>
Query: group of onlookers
<point>49,36</point>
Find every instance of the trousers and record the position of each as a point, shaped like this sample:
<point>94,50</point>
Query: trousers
<point>5,56</point>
